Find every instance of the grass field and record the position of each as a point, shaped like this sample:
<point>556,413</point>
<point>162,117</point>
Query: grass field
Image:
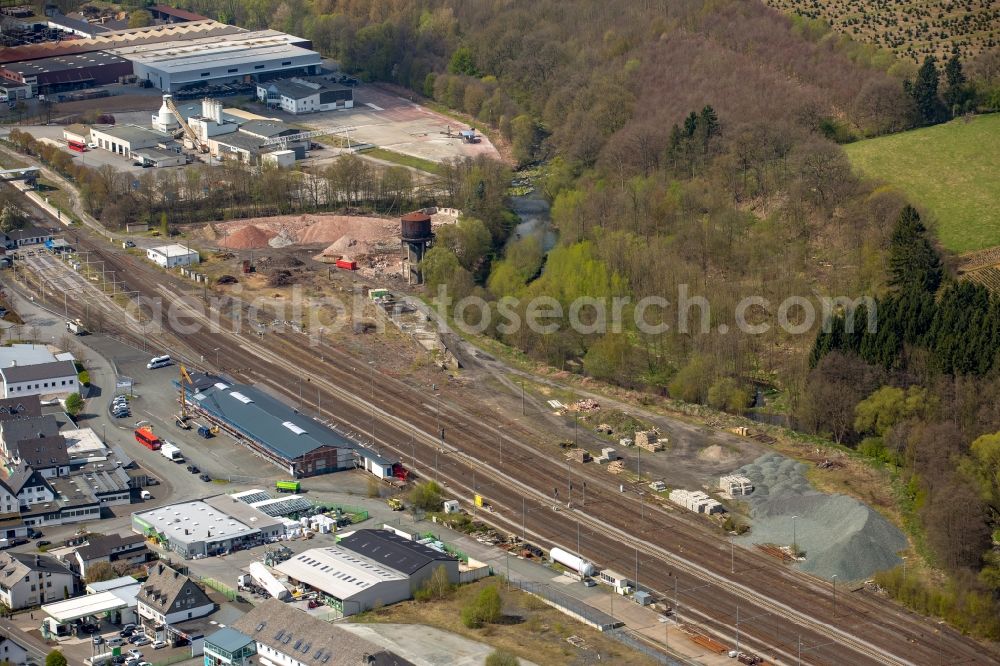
<point>951,170</point>
<point>418,163</point>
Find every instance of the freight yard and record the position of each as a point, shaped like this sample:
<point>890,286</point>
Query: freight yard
<point>276,402</point>
<point>430,423</point>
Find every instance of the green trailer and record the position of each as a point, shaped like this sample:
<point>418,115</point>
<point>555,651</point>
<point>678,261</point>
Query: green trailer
<point>287,486</point>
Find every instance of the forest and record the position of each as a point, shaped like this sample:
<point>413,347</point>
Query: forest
<point>693,144</point>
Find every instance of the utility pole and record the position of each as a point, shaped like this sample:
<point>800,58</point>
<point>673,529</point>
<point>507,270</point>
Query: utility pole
<point>637,568</point>
<point>732,555</point>
<point>834,579</point>
<point>524,536</point>
<point>522,398</point>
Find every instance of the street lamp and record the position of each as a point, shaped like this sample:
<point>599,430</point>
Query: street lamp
<point>834,595</point>
<point>795,547</point>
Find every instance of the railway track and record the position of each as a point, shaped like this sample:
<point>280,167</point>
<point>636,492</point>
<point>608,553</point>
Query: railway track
<point>677,557</point>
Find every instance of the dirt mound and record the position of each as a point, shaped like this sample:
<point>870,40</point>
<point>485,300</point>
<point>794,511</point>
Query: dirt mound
<point>331,228</point>
<point>249,237</point>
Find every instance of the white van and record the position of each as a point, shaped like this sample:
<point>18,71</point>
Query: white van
<point>158,362</point>
<point>145,494</point>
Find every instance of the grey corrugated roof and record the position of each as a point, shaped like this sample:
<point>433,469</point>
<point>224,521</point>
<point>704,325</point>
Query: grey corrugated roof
<point>38,371</point>
<point>263,417</point>
<point>265,128</point>
<point>132,133</point>
<point>393,551</point>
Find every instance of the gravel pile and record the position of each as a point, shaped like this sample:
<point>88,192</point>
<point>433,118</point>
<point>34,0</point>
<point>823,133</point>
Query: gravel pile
<point>840,536</point>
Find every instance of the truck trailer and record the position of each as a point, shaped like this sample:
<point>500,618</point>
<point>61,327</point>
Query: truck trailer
<point>266,580</point>
<point>171,452</point>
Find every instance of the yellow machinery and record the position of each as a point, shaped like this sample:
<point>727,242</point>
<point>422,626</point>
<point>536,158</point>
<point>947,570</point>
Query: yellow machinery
<point>395,504</point>
<point>182,418</point>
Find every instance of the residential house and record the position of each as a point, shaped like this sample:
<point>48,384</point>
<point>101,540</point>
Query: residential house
<point>111,548</point>
<point>20,429</point>
<point>53,378</point>
<point>168,597</point>
<point>12,651</point>
<point>29,486</point>
<point>29,406</point>
<point>286,636</point>
<point>30,580</point>
<point>46,455</point>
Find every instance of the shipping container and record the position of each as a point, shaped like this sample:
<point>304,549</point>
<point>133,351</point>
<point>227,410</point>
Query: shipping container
<point>146,437</point>
<point>287,486</point>
<point>347,264</point>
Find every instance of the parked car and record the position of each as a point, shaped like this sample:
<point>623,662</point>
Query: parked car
<point>205,477</point>
<point>140,639</point>
<point>41,543</point>
<point>193,469</point>
<point>129,243</point>
<point>19,541</point>
<point>135,654</point>
<point>156,645</point>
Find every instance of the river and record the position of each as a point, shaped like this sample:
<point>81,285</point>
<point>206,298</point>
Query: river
<point>533,211</point>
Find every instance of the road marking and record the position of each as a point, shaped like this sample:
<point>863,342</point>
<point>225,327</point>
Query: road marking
<point>372,106</point>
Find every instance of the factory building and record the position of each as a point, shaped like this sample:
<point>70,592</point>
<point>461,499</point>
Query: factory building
<point>347,581</point>
<point>279,434</point>
<point>125,140</point>
<point>416,561</point>
<point>234,58</point>
<point>67,72</point>
<point>172,57</point>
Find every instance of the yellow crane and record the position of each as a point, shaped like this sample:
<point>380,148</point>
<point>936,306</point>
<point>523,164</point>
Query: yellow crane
<point>182,418</point>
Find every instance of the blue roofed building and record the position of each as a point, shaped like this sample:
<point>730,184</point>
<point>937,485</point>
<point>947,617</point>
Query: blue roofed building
<point>280,434</point>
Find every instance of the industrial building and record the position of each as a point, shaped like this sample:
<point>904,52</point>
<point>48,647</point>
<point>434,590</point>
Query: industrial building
<point>233,58</point>
<point>172,57</point>
<point>203,528</point>
<point>347,581</point>
<point>415,560</point>
<point>279,434</point>
<point>67,72</point>
<point>124,140</point>
<point>305,95</point>
<point>170,256</point>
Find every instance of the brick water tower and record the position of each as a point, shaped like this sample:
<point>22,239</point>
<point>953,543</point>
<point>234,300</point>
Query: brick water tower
<point>417,237</point>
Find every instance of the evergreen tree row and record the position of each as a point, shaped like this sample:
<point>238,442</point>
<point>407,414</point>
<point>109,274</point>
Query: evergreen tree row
<point>957,323</point>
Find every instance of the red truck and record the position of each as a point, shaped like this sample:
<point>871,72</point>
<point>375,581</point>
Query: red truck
<point>347,264</point>
<point>146,437</point>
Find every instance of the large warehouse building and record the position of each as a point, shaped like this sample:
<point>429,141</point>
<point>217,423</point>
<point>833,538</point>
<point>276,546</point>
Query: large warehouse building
<point>234,58</point>
<point>171,57</point>
<point>280,434</point>
<point>203,528</point>
<point>368,568</point>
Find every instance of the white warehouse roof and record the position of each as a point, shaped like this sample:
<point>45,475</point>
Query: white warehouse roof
<point>173,250</point>
<point>89,604</point>
<point>337,571</point>
<point>195,54</point>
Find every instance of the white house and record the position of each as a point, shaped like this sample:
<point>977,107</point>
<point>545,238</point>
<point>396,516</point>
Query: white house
<point>12,651</point>
<point>53,378</point>
<point>305,95</point>
<point>111,548</point>
<point>168,597</point>
<point>170,256</point>
<point>30,580</point>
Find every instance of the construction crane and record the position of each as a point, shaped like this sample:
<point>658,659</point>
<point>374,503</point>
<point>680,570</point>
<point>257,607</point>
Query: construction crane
<point>283,141</point>
<point>183,417</point>
<point>191,134</point>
